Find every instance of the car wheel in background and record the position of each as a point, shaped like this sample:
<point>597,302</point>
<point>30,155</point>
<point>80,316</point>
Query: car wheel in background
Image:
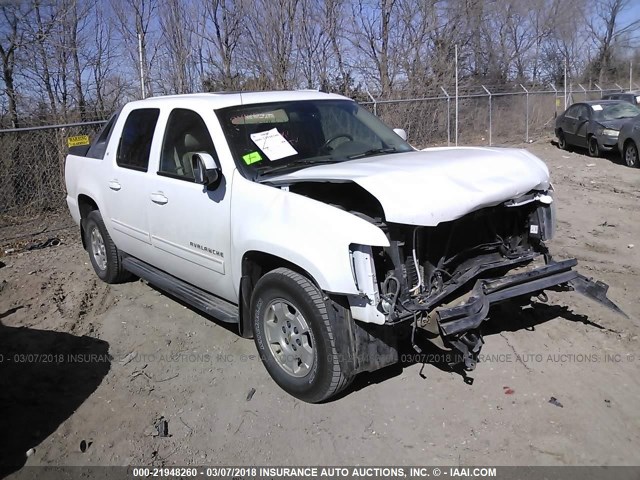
<point>630,154</point>
<point>293,335</point>
<point>594,149</point>
<point>562,141</point>
<point>103,253</point>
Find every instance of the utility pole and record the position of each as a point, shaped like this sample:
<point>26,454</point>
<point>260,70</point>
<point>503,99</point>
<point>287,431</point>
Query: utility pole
<point>141,67</point>
<point>456,133</point>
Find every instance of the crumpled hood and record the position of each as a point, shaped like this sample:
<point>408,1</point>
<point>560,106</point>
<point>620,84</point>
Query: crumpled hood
<point>615,124</point>
<point>437,184</point>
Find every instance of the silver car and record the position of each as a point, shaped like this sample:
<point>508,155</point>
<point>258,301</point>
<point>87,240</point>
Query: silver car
<point>628,141</point>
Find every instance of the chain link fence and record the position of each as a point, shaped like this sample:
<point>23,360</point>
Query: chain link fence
<point>485,115</point>
<point>32,159</point>
<point>32,170</point>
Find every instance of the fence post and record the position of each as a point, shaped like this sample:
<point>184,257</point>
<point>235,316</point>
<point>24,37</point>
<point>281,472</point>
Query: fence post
<point>375,103</point>
<point>448,117</point>
<point>555,100</point>
<point>490,122</point>
<point>598,87</point>
<point>584,90</point>
<point>526,113</point>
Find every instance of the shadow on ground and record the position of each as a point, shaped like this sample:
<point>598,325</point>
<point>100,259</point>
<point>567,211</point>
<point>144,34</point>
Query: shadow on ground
<point>507,317</point>
<point>44,377</point>
<point>613,156</point>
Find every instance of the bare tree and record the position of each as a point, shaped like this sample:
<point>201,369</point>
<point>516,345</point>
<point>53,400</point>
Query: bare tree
<point>223,24</point>
<point>605,31</point>
<point>271,32</point>
<point>12,38</point>
<point>134,23</point>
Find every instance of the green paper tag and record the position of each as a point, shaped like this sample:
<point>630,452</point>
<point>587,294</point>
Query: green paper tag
<point>252,157</point>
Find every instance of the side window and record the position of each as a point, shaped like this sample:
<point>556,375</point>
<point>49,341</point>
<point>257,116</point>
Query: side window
<point>584,111</point>
<point>185,135</point>
<point>572,112</point>
<point>137,135</point>
<point>99,146</point>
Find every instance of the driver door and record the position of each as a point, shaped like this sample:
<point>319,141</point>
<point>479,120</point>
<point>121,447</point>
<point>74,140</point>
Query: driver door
<point>582,126</point>
<point>190,227</point>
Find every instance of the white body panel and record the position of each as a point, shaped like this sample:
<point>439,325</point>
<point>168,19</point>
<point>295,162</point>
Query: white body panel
<point>305,232</point>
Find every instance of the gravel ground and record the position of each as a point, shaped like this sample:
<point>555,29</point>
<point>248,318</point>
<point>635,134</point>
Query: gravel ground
<point>135,358</point>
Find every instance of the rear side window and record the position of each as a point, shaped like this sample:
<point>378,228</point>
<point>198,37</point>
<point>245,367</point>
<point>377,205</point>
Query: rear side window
<point>99,146</point>
<point>137,135</point>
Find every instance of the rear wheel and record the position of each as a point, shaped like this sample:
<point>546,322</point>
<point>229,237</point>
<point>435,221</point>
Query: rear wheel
<point>594,149</point>
<point>294,337</point>
<point>103,253</point>
<point>630,154</point>
<point>562,141</point>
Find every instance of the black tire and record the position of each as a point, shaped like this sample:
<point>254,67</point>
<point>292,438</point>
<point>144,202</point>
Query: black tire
<point>594,149</point>
<point>562,141</point>
<point>301,305</point>
<point>107,264</point>
<point>630,154</point>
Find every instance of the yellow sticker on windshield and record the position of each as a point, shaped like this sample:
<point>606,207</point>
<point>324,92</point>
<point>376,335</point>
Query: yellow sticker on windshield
<point>78,141</point>
<point>252,157</point>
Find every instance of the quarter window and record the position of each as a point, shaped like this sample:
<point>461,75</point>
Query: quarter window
<point>137,135</point>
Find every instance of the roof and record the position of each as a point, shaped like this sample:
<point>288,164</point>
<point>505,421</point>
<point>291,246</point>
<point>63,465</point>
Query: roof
<point>602,102</point>
<point>228,99</point>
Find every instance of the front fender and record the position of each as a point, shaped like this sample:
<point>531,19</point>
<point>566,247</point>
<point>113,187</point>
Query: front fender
<point>308,233</point>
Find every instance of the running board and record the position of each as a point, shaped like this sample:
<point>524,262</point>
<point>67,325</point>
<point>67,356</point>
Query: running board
<point>194,296</point>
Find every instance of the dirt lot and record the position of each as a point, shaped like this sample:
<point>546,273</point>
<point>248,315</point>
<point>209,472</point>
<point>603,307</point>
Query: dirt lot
<point>169,361</point>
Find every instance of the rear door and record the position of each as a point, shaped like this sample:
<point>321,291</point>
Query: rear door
<point>127,184</point>
<point>190,226</point>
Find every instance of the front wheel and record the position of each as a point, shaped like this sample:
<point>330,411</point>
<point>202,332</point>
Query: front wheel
<point>294,337</point>
<point>630,154</point>
<point>594,148</point>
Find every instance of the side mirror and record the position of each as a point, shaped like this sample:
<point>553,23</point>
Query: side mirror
<point>205,170</point>
<point>401,133</point>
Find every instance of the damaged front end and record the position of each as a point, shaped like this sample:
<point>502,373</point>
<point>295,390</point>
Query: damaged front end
<point>443,280</point>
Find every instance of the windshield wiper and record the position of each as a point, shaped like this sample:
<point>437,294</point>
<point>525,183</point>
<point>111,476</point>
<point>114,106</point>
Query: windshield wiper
<point>266,169</point>
<point>373,151</point>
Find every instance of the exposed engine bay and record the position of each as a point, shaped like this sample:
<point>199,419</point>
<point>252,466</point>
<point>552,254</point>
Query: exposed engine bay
<point>442,280</point>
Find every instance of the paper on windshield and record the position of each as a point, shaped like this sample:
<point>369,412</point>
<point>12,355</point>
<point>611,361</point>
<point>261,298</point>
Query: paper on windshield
<point>597,108</point>
<point>273,144</point>
<point>638,99</point>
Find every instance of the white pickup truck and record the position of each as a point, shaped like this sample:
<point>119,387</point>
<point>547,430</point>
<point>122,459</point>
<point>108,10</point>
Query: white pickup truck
<point>317,229</point>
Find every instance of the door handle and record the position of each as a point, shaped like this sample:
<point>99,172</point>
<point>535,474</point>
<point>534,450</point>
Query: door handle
<point>159,198</point>
<point>114,185</point>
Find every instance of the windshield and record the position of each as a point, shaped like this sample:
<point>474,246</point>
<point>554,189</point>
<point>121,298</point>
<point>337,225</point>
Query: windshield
<point>285,136</point>
<point>616,111</point>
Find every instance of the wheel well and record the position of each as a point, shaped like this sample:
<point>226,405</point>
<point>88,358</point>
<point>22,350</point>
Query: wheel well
<point>86,205</point>
<point>254,265</point>
<point>627,142</point>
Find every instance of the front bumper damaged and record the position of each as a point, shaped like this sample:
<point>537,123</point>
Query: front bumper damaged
<point>458,326</point>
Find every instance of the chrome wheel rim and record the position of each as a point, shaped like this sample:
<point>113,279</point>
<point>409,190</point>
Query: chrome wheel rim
<point>98,250</point>
<point>289,338</point>
<point>631,155</point>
